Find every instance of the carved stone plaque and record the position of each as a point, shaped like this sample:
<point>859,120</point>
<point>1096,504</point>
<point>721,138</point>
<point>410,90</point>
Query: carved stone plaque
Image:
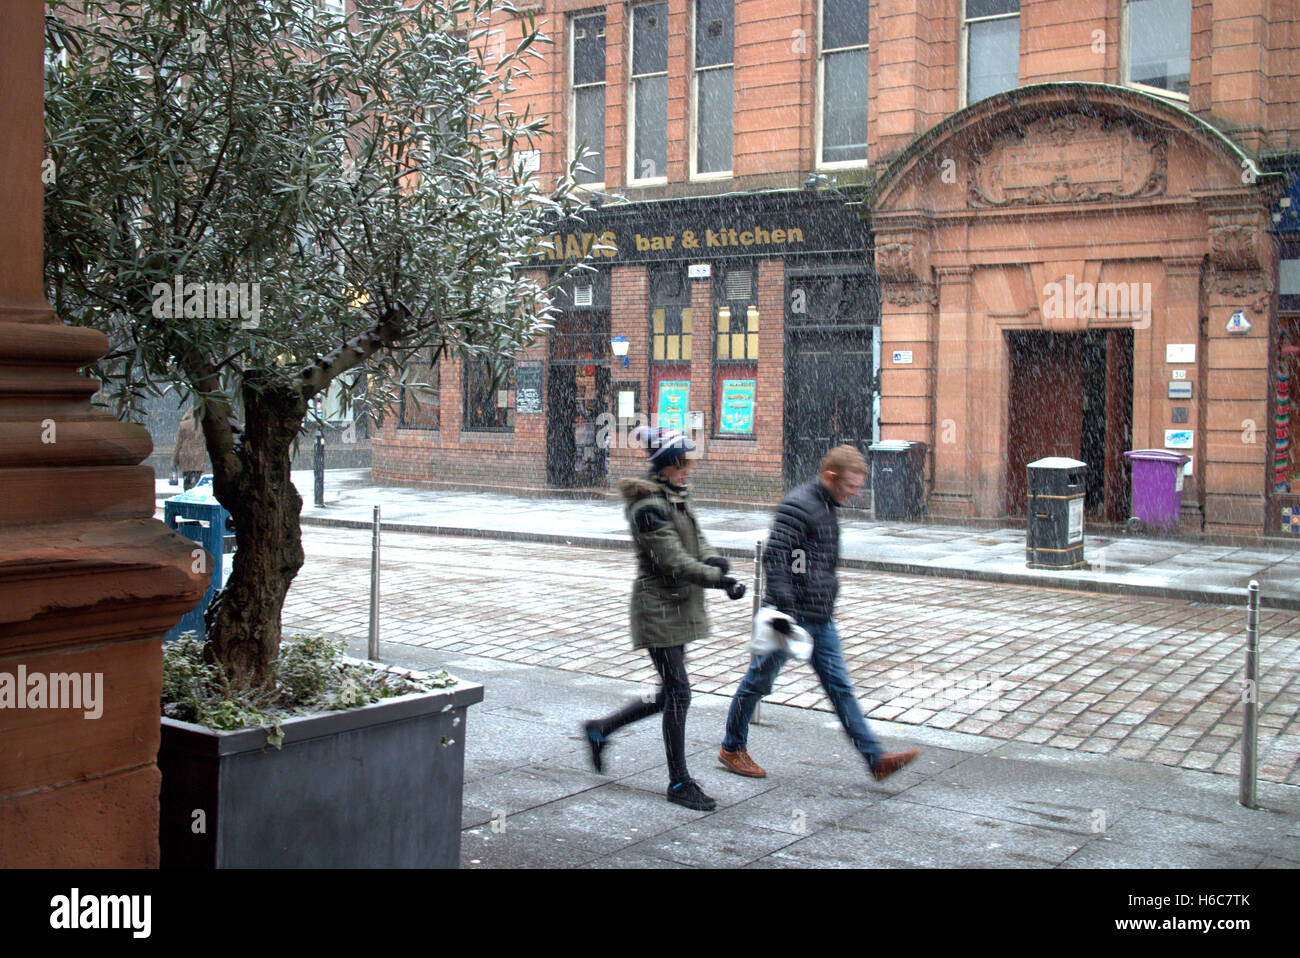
<point>1072,158</point>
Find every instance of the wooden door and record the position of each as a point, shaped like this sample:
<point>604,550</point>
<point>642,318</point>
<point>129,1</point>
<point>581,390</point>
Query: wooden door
<point>1044,405</point>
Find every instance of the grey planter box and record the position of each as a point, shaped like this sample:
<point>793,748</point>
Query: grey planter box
<point>373,787</point>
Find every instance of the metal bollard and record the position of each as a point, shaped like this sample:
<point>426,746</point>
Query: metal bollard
<point>374,589</point>
<point>318,467</point>
<point>1250,701</point>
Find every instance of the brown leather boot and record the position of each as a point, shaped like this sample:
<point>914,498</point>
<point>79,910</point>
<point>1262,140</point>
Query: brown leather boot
<point>891,762</point>
<point>740,763</point>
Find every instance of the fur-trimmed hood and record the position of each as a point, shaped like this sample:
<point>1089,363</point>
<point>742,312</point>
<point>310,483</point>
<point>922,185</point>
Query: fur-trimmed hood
<point>638,487</point>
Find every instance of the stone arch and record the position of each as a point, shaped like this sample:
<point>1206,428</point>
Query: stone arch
<point>1092,185</point>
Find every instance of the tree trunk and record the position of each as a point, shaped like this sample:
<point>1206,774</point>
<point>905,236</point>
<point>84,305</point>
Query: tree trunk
<point>243,622</point>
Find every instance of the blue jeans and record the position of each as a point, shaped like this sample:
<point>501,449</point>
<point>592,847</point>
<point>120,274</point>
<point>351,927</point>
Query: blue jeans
<point>828,662</point>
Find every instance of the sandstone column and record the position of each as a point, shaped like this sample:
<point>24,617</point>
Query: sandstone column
<point>89,581</point>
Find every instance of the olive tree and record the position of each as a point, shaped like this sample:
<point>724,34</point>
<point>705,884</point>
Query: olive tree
<point>256,200</point>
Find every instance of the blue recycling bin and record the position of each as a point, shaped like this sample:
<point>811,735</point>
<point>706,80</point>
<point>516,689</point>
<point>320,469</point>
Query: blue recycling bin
<point>197,515</point>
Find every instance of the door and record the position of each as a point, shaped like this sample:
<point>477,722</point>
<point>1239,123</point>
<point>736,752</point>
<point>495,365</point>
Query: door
<point>1045,409</point>
<point>1071,395</point>
<point>577,396</point>
<point>559,439</point>
<point>830,387</point>
<point>830,397</point>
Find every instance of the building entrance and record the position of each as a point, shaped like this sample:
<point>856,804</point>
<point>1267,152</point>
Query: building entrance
<point>1071,394</point>
<point>830,382</point>
<point>577,396</point>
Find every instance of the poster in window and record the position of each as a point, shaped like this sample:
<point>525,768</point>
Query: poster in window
<point>674,400</point>
<point>528,391</point>
<point>737,413</point>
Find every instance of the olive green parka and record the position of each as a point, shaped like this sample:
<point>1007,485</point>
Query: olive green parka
<point>668,595</point>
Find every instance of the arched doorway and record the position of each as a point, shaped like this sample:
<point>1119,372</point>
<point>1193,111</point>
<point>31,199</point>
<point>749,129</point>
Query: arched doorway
<point>1070,254</point>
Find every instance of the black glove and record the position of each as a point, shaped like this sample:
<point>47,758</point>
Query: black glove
<point>734,589</point>
<point>781,625</point>
<point>719,562</point>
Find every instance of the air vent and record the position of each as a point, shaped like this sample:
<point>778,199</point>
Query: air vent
<point>582,296</point>
<point>740,284</point>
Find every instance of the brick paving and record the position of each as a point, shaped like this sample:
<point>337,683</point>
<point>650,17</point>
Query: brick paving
<point>1147,679</point>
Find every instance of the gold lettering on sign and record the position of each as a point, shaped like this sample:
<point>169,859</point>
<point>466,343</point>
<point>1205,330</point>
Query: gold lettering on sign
<point>577,245</point>
<point>562,246</point>
<point>1070,158</point>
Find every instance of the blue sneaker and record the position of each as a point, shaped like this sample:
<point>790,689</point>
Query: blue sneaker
<point>597,741</point>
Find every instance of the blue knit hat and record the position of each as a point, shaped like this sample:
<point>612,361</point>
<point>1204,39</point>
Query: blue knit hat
<point>665,447</point>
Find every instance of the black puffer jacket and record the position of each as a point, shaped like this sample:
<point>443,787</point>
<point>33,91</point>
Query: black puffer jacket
<point>801,553</point>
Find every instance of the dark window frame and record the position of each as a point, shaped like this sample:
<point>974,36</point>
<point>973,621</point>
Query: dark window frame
<point>466,422</point>
<point>435,368</point>
<point>635,83</point>
<point>703,49</point>
<point>587,21</point>
<point>978,19</point>
<point>1127,54</point>
<point>825,53</point>
<point>719,367</point>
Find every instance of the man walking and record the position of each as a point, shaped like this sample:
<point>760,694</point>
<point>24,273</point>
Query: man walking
<point>799,563</point>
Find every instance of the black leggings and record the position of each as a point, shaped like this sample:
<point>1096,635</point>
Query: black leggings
<point>673,699</point>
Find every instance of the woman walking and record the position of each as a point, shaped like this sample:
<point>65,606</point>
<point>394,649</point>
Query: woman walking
<point>675,564</point>
<point>190,451</point>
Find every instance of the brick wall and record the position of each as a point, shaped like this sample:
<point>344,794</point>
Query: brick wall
<point>1244,75</point>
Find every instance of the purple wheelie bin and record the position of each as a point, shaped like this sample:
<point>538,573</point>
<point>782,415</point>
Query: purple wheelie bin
<point>1157,489</point>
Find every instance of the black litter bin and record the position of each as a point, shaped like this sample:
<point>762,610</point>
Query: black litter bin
<point>898,479</point>
<point>1054,534</point>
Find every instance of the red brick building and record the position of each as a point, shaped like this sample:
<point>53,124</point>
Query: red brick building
<point>1007,230</point>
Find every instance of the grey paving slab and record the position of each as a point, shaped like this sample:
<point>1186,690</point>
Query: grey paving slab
<point>587,825</point>
<point>800,807</point>
<point>1114,851</point>
<point>717,843</point>
<point>635,858</point>
<point>516,790</point>
<point>901,835</point>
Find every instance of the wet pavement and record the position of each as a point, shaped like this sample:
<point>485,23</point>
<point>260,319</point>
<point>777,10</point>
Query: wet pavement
<point>1061,728</point>
<point>1208,571</point>
<point>1156,680</point>
<point>533,801</point>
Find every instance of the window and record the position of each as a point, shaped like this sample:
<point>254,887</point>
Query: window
<point>334,7</point>
<point>670,317</point>
<point>737,327</point>
<point>843,77</point>
<point>489,396</point>
<point>1159,47</point>
<point>649,153</point>
<point>992,47</point>
<point>714,85</point>
<point>1288,279</point>
<point>735,352</point>
<point>421,402</point>
<point>587,71</point>
<point>670,337</point>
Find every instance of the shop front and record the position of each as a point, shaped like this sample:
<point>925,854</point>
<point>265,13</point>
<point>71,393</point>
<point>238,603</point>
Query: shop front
<point>1284,514</point>
<point>748,321</point>
<point>1078,270</point>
